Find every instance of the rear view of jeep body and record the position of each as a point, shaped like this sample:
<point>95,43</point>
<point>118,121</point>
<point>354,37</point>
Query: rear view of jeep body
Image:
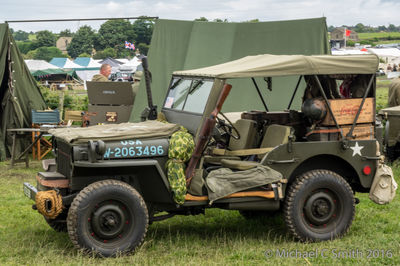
<point>115,180</point>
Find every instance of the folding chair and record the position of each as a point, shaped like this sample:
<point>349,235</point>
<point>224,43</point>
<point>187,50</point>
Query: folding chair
<point>42,119</point>
<point>72,116</point>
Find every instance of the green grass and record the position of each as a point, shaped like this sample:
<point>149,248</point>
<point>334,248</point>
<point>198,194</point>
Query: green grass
<point>379,35</point>
<point>218,238</point>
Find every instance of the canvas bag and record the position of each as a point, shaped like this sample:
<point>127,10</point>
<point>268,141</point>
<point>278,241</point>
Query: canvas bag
<point>384,186</point>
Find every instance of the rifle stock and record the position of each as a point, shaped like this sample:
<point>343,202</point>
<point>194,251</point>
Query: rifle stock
<point>205,133</point>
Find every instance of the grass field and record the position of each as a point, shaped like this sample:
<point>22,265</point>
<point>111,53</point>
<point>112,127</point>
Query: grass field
<point>218,238</point>
<point>365,36</point>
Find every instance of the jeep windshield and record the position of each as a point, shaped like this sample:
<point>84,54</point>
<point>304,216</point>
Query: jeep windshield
<point>186,100</point>
<point>188,95</point>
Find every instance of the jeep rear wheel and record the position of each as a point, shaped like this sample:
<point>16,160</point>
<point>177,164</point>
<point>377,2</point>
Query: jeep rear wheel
<point>107,218</point>
<point>319,206</point>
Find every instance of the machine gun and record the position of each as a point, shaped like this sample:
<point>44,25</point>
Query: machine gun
<point>205,134</point>
<point>150,112</point>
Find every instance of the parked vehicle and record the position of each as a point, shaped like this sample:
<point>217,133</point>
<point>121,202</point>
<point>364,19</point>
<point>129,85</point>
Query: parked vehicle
<point>111,181</point>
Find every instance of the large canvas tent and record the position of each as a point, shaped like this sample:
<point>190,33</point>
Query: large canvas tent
<point>182,45</point>
<point>19,93</point>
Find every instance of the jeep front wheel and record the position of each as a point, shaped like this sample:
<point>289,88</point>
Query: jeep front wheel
<point>319,206</point>
<point>107,218</point>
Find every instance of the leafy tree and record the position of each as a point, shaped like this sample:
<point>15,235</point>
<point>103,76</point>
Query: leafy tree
<point>331,28</point>
<point>84,55</point>
<point>359,28</point>
<point>82,42</point>
<point>99,55</point>
<point>108,52</point>
<point>21,35</point>
<point>113,34</point>
<point>225,20</point>
<point>350,43</point>
<point>45,38</point>
<point>66,33</point>
<point>382,28</point>
<point>143,48</point>
<point>47,53</point>
<point>26,46</point>
<point>392,28</point>
<point>143,29</point>
<point>30,55</point>
<point>251,20</point>
<point>201,19</point>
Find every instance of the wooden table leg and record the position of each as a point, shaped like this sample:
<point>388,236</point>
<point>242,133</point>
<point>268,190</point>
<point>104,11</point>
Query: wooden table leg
<point>14,138</point>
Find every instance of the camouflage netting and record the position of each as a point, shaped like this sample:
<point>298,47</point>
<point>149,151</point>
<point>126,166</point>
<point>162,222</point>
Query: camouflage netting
<point>181,147</point>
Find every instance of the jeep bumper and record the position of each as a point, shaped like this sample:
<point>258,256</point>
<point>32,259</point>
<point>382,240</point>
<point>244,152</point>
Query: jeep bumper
<point>30,191</point>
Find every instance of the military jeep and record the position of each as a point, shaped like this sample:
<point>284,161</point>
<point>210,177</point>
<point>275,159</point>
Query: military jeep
<point>110,182</point>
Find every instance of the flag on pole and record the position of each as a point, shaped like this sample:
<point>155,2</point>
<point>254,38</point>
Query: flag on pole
<point>129,45</point>
<point>348,33</point>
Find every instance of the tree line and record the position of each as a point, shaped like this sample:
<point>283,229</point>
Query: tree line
<point>108,41</point>
<point>361,28</point>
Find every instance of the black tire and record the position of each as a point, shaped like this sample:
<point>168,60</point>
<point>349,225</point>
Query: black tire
<point>60,223</point>
<point>392,152</point>
<point>108,218</point>
<point>319,206</point>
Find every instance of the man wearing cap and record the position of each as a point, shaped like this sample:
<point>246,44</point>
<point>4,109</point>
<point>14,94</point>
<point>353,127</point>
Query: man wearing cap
<point>105,71</point>
<point>136,79</point>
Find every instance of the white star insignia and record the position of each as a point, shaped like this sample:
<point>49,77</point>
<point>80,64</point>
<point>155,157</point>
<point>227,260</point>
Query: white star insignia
<point>357,149</point>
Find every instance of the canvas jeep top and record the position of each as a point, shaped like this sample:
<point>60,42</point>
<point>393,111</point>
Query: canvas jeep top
<point>111,181</point>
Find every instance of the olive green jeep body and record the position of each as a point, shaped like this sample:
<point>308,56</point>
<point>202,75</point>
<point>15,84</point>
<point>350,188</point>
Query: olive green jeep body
<point>113,186</point>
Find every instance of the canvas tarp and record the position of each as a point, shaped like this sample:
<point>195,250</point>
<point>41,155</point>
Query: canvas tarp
<point>147,129</point>
<point>19,93</point>
<point>54,71</point>
<point>288,65</point>
<point>182,45</point>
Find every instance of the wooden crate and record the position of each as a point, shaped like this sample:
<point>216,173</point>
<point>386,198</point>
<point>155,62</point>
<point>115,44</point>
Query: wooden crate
<point>360,132</point>
<point>345,111</point>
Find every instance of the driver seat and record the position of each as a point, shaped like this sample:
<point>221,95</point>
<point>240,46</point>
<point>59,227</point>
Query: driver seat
<point>274,135</point>
<point>248,131</point>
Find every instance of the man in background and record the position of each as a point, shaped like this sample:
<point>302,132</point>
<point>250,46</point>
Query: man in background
<point>105,71</point>
<point>394,93</point>
<point>135,86</point>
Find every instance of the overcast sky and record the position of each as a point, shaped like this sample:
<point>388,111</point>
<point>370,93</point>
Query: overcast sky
<point>337,12</point>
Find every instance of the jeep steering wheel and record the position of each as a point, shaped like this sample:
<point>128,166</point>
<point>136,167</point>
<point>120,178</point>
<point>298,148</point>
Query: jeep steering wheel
<point>227,126</point>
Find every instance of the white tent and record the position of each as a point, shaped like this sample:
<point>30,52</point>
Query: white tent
<point>87,62</point>
<point>385,52</point>
<point>131,65</point>
<point>123,60</point>
<point>34,65</point>
<point>86,74</point>
<point>64,63</point>
<point>389,55</point>
<point>348,51</point>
